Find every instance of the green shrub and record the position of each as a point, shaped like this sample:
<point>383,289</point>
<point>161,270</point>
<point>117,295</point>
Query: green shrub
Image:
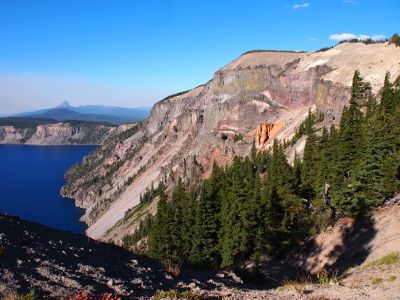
<point>389,259</point>
<point>376,280</point>
<point>237,137</point>
<point>30,296</point>
<point>323,277</point>
<point>395,39</point>
<point>175,294</point>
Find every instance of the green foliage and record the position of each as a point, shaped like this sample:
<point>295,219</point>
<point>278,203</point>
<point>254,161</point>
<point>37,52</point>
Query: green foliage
<point>389,259</point>
<point>95,160</point>
<point>151,193</point>
<point>366,41</point>
<point>89,124</point>
<point>129,241</point>
<point>175,95</point>
<point>324,49</point>
<point>263,51</point>
<point>237,137</point>
<point>176,294</point>
<point>306,127</point>
<point>376,280</point>
<point>324,277</point>
<point>30,296</point>
<point>21,122</point>
<point>144,229</point>
<point>395,39</point>
<point>99,207</point>
<point>205,250</point>
<point>127,133</point>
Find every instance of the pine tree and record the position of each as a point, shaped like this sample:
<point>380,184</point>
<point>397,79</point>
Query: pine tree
<point>388,102</point>
<point>278,186</point>
<point>309,172</point>
<point>233,236</point>
<point>205,251</point>
<point>350,141</point>
<point>159,240</point>
<point>180,231</point>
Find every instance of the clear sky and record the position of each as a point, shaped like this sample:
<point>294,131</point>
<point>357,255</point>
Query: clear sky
<point>133,53</point>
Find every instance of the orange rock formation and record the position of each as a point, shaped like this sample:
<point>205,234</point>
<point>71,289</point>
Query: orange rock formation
<point>263,132</point>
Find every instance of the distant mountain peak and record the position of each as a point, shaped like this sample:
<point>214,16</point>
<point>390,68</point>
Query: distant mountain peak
<point>65,104</point>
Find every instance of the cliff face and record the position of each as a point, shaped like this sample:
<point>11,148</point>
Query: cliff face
<point>12,135</point>
<point>185,134</point>
<point>59,134</point>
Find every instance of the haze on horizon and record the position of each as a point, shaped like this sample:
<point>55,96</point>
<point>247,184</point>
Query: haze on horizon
<point>134,53</point>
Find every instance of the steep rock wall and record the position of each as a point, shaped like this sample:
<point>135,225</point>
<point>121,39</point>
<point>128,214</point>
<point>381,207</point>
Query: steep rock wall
<point>59,134</point>
<point>185,134</point>
<point>12,135</point>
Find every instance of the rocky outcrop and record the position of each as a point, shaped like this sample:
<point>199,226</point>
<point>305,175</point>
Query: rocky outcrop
<point>186,133</point>
<point>60,134</point>
<point>12,135</point>
<point>263,131</point>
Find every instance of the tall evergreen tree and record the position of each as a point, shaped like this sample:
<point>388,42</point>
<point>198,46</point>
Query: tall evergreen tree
<point>234,236</point>
<point>159,240</point>
<point>388,102</point>
<point>349,148</point>
<point>205,251</point>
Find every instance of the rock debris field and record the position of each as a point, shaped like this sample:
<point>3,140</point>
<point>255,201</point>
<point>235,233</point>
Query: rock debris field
<point>59,264</point>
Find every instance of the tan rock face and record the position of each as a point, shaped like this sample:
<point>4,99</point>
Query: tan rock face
<point>59,134</point>
<point>11,135</point>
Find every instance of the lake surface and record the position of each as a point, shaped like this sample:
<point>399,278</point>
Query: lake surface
<point>30,181</point>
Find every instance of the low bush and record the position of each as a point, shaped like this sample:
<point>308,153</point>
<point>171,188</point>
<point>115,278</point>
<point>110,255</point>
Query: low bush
<point>389,259</point>
<point>29,296</point>
<point>376,280</point>
<point>178,295</point>
<point>323,277</point>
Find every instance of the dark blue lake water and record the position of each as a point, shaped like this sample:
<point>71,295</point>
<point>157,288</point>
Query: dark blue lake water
<point>30,181</point>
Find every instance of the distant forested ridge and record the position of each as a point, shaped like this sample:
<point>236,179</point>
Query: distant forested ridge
<point>22,122</point>
<point>262,204</point>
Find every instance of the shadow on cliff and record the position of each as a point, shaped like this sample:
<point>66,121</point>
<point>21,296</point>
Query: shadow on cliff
<point>351,250</point>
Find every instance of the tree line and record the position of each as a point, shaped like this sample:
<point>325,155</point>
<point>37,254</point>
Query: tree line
<point>262,204</point>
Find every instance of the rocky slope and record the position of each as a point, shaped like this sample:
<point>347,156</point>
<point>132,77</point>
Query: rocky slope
<point>59,264</point>
<point>60,134</point>
<point>268,91</point>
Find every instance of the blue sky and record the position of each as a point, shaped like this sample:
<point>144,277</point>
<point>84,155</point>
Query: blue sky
<point>133,53</point>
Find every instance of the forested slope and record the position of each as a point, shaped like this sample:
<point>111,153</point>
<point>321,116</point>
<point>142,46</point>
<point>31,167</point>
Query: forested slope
<point>261,204</point>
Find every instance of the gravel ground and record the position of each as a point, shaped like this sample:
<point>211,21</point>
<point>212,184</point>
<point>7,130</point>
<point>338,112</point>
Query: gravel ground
<point>60,264</point>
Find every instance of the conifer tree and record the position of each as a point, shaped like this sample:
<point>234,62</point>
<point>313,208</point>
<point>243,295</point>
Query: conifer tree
<point>180,231</point>
<point>278,185</point>
<point>311,159</point>
<point>234,237</point>
<point>350,141</point>
<point>388,102</point>
<point>205,251</point>
<point>159,240</point>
